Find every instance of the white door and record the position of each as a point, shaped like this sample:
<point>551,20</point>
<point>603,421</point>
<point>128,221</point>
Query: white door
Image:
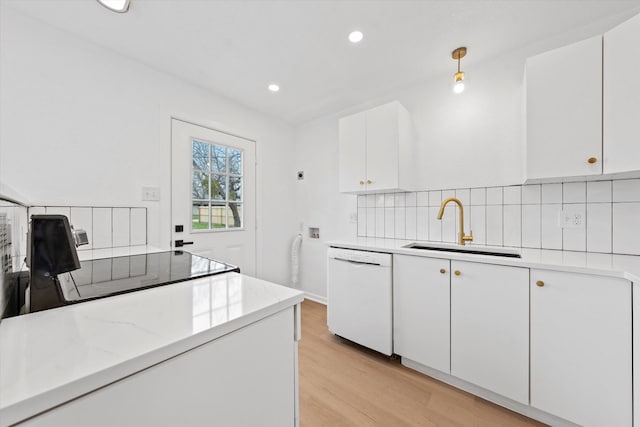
<point>213,194</point>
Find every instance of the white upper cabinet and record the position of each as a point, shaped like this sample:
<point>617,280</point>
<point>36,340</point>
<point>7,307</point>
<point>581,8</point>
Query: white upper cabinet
<point>581,347</point>
<point>622,97</point>
<point>564,111</point>
<point>376,150</point>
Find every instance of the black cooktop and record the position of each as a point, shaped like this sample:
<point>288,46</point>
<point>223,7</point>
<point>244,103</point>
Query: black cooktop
<point>99,278</point>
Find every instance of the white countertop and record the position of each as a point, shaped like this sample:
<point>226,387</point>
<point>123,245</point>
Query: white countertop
<point>52,356</point>
<point>624,266</point>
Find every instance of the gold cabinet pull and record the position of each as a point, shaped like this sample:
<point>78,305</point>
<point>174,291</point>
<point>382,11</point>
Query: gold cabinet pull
<point>592,160</point>
<point>361,182</point>
<point>369,181</point>
<point>442,270</point>
<point>540,283</point>
<point>457,272</point>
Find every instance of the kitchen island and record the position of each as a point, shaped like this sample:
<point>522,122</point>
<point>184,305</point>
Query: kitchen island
<point>219,350</point>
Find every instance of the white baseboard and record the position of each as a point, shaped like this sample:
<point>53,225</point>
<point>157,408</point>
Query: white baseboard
<point>316,298</point>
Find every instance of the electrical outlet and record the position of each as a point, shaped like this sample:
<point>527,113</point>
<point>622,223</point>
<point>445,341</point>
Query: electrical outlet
<point>151,194</point>
<point>571,218</point>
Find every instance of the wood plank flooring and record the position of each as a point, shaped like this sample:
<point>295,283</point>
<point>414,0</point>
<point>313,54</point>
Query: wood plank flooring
<point>343,384</point>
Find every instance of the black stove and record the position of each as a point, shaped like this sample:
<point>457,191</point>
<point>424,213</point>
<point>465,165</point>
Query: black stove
<point>100,278</point>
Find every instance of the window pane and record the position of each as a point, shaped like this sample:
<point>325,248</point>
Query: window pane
<point>235,215</point>
<point>200,155</point>
<point>235,161</point>
<point>200,185</point>
<point>219,187</point>
<point>200,215</point>
<point>235,188</point>
<point>218,159</point>
<point>218,217</point>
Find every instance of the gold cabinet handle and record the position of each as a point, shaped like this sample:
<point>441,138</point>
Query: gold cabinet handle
<point>442,270</point>
<point>369,181</point>
<point>592,160</point>
<point>540,283</point>
<point>361,182</point>
<point>457,272</point>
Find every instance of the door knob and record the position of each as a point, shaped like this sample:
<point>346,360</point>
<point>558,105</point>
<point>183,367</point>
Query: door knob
<point>540,283</point>
<point>361,182</point>
<point>592,160</point>
<point>457,272</point>
<point>442,270</point>
<point>369,181</point>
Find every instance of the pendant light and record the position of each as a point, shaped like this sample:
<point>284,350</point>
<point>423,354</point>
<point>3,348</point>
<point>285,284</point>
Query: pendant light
<point>119,6</point>
<point>458,78</point>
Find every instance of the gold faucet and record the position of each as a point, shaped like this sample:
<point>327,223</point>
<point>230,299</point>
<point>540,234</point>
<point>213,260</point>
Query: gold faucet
<point>462,237</point>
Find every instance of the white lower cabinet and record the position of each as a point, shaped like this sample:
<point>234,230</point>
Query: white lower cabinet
<point>245,378</point>
<point>581,347</point>
<point>421,310</point>
<point>490,327</point>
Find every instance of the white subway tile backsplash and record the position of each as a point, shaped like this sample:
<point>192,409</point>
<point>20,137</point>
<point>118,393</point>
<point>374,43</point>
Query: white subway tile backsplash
<point>81,218</point>
<point>574,239</point>
<point>551,193</point>
<point>626,190</point>
<point>411,223</point>
<point>411,199</point>
<point>371,222</point>
<point>599,227</point>
<point>102,228</point>
<point>512,225</point>
<point>400,229</point>
<point>574,192</point>
<point>380,223</point>
<point>512,195</point>
<point>435,198</point>
<point>494,196</point>
<point>464,195</point>
<point>59,210</point>
<point>551,232</point>
<point>599,192</point>
<point>139,226</point>
<point>531,194</point>
<point>389,223</point>
<point>494,225</point>
<point>435,225</point>
<point>531,223</point>
<point>422,198</point>
<point>478,224</point>
<point>121,221</point>
<point>626,232</point>
<point>449,222</point>
<point>525,216</point>
<point>478,196</point>
<point>422,223</point>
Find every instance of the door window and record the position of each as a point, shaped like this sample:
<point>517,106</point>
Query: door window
<point>217,183</point>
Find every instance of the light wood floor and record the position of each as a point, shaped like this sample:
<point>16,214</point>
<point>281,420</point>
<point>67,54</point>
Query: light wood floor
<point>343,384</point>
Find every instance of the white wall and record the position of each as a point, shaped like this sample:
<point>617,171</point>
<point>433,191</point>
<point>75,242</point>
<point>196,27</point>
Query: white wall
<point>80,124</point>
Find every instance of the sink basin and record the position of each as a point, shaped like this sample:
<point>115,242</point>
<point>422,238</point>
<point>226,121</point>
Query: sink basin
<point>465,250</point>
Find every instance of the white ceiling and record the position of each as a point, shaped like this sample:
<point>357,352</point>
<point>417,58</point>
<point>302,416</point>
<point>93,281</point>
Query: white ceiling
<point>235,48</point>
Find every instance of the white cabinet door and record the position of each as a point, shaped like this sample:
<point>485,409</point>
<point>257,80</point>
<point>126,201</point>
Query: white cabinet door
<point>490,327</point>
<point>564,111</point>
<point>246,378</point>
<point>352,152</point>
<point>581,347</point>
<point>421,298</point>
<point>382,147</point>
<point>622,97</point>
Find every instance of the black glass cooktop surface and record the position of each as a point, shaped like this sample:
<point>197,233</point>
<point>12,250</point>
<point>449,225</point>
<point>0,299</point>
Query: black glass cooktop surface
<point>111,276</point>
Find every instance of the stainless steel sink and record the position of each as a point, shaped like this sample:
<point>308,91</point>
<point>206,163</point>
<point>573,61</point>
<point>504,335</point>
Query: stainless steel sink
<point>465,249</point>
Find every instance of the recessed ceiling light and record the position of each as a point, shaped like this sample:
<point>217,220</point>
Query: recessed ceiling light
<point>355,36</point>
<point>120,6</point>
<point>274,87</point>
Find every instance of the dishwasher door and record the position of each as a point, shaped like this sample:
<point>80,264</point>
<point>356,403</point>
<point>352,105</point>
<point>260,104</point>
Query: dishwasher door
<point>359,297</point>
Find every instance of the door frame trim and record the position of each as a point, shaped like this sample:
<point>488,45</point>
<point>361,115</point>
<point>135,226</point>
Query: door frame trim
<point>255,181</point>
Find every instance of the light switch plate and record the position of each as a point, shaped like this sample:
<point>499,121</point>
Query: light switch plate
<point>151,194</point>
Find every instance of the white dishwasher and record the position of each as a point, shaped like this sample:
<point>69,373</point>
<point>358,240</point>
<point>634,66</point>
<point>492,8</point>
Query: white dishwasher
<point>359,297</point>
